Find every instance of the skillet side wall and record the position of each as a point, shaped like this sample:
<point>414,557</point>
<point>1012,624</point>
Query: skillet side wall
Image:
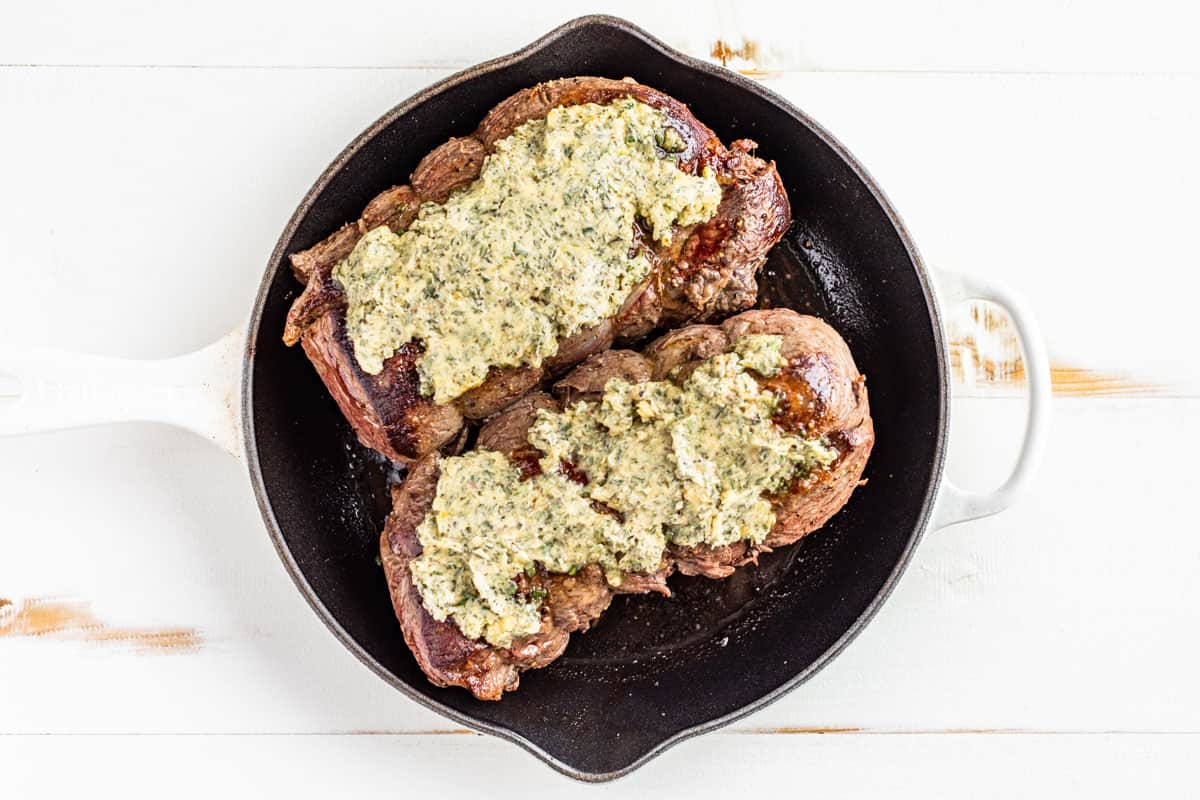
<point>646,674</point>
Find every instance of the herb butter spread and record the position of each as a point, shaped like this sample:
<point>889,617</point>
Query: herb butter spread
<point>539,247</point>
<point>682,464</point>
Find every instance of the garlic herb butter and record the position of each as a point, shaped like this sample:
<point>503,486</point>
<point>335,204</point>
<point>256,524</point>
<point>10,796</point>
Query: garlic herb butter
<point>539,247</point>
<point>684,464</point>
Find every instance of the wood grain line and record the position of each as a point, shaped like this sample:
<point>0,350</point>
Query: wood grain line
<point>430,732</point>
<point>985,354</point>
<point>74,621</point>
<point>725,732</point>
<point>899,731</point>
<point>790,730</point>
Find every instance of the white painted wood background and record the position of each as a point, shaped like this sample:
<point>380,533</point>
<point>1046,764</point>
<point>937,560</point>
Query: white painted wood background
<point>151,152</point>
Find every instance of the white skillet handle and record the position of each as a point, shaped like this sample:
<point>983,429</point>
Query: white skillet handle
<point>957,505</point>
<point>44,390</point>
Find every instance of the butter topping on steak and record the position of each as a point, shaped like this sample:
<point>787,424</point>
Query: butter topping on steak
<point>820,392</point>
<point>705,271</point>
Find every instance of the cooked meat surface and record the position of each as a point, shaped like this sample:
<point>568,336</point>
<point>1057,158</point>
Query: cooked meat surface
<point>707,271</point>
<point>572,603</point>
<point>586,381</point>
<point>821,394</point>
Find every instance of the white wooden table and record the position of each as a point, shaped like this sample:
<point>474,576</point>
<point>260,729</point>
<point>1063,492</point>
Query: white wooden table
<point>153,645</point>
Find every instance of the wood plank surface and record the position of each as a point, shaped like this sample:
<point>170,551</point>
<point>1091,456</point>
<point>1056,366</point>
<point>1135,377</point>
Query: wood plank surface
<point>862,35</point>
<point>988,767</point>
<point>149,637</point>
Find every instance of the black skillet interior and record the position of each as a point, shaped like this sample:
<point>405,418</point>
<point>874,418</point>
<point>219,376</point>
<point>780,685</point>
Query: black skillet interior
<point>654,670</point>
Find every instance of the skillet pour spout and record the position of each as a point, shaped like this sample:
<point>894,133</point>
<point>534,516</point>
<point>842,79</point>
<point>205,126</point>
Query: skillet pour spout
<point>654,671</point>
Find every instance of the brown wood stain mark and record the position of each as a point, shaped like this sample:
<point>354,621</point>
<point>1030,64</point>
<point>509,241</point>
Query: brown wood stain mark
<point>74,621</point>
<point>988,355</point>
<point>1071,381</point>
<point>748,52</point>
<point>723,51</point>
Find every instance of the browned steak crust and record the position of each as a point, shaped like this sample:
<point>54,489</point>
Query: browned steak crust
<point>386,411</point>
<point>573,603</point>
<point>821,394</point>
<point>708,273</point>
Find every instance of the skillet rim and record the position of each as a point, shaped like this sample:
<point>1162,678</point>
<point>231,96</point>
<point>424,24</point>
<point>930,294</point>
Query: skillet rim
<point>249,438</point>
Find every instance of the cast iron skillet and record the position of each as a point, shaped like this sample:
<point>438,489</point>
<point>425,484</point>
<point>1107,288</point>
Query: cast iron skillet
<point>654,671</point>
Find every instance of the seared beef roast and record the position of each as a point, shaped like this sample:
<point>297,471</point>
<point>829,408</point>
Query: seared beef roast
<point>706,272</point>
<point>821,394</point>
